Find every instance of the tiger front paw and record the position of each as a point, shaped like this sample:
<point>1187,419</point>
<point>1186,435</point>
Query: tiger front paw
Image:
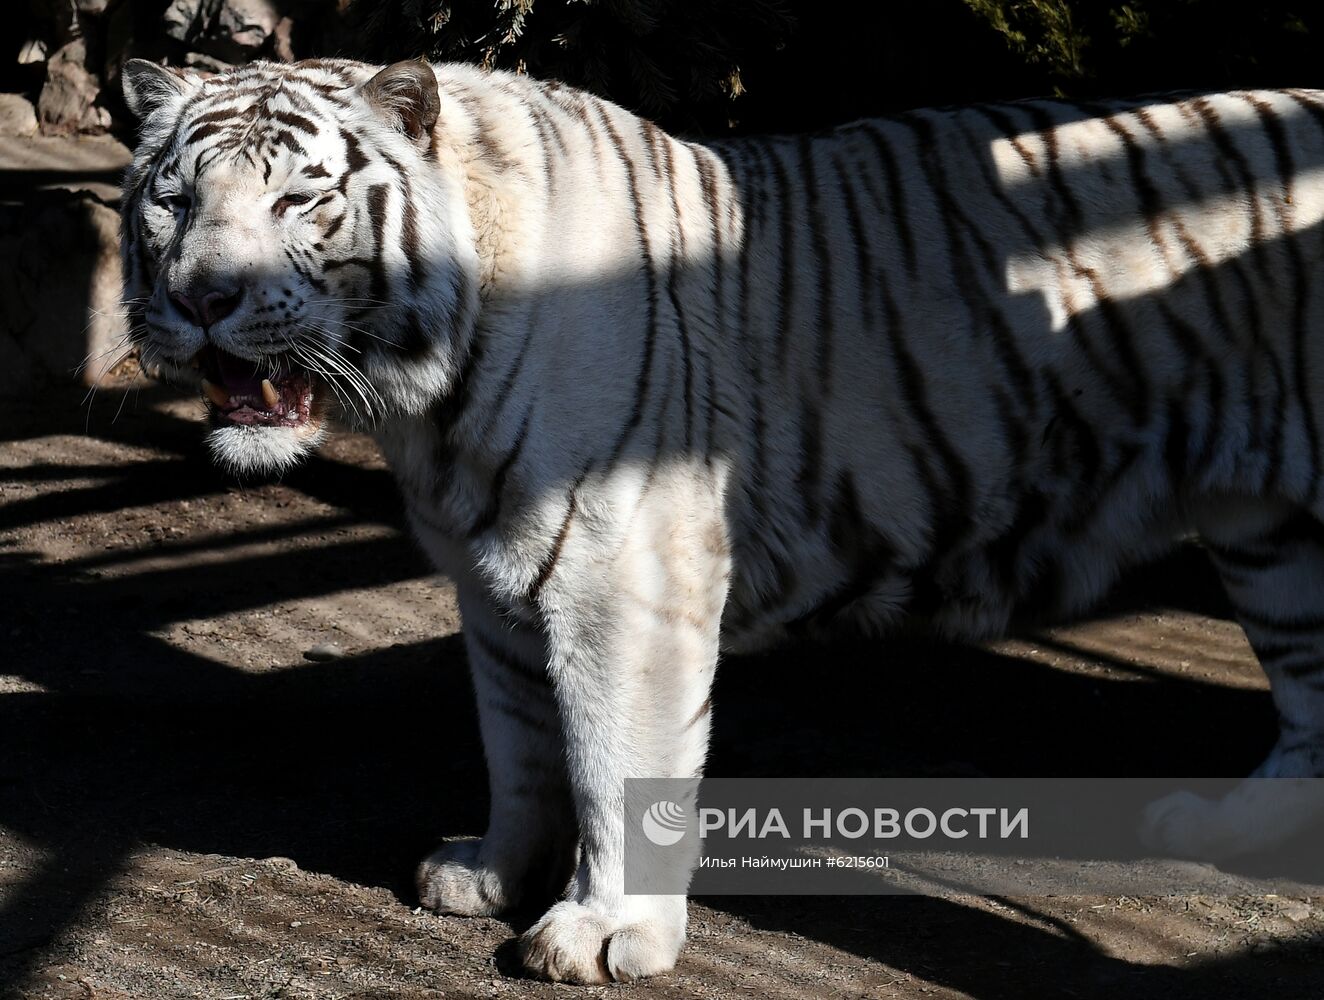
<point>575,944</point>
<point>455,879</point>
<point>1181,825</point>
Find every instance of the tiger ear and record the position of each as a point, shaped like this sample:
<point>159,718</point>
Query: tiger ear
<point>148,86</point>
<point>407,93</point>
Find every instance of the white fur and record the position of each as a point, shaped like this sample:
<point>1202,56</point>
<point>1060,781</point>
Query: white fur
<point>686,397</point>
<point>259,451</point>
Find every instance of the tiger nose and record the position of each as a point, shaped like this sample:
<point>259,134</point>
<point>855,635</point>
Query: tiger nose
<point>207,309</point>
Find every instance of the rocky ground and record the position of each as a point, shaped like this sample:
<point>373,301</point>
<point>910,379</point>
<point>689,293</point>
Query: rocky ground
<point>190,806</point>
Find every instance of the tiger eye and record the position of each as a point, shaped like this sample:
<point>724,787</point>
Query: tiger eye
<point>288,201</point>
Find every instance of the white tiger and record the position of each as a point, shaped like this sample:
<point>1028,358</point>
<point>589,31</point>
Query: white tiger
<point>647,399</point>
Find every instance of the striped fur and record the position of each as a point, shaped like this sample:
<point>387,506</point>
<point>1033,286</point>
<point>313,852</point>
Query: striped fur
<point>645,398</point>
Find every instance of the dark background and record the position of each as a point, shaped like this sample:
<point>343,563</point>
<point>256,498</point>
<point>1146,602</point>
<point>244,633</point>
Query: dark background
<point>710,66</point>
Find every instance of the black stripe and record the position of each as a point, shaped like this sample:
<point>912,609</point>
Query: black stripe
<point>201,132</point>
<point>304,272</point>
<point>1229,153</point>
<point>822,267</point>
<point>751,344</point>
<point>650,282</point>
<point>512,374</point>
<point>229,114</point>
<point>354,158</point>
<point>951,513</point>
<point>864,552</point>
<point>1076,455</point>
<point>864,265</point>
<point>550,560</point>
<point>409,242</point>
<point>460,391</point>
<point>377,197</point>
<point>1187,336</point>
<point>492,509</point>
<point>1060,206</point>
<point>1301,289</point>
<point>708,186</point>
<point>286,139</point>
<point>334,226</point>
<point>1216,390</point>
<point>503,658</point>
<point>665,168</point>
<point>807,479</point>
<point>895,193</point>
<point>519,713</point>
<point>1084,515</point>
<point>963,269</point>
<point>786,246</point>
<point>295,121</point>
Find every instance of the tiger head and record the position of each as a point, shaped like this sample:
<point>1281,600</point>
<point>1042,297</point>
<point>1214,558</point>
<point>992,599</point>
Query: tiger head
<point>297,233</point>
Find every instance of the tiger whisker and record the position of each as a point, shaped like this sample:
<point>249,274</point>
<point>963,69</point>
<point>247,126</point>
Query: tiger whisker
<point>318,369</point>
<point>325,363</point>
<point>356,329</point>
<point>354,379</point>
<point>347,367</point>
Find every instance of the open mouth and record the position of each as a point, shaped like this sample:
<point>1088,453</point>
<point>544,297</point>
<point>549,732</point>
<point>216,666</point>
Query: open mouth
<point>244,392</point>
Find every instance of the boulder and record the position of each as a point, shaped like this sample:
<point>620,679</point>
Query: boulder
<point>232,30</point>
<point>67,101</point>
<point>17,115</point>
<point>187,20</point>
<point>247,23</point>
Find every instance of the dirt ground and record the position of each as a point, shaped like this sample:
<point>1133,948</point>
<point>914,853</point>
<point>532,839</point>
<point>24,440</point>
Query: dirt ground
<point>191,807</point>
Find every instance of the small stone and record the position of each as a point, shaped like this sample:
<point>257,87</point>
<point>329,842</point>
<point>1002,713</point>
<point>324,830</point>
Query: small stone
<point>323,652</point>
<point>205,63</point>
<point>1296,911</point>
<point>33,51</point>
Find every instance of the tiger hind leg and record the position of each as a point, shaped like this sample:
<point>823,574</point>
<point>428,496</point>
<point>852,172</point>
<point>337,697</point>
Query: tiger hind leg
<point>1270,556</point>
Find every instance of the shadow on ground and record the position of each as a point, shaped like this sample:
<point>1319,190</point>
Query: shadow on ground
<point>354,768</point>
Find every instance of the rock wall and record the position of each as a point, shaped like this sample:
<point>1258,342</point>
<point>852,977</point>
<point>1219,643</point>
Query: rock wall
<point>59,255</point>
<point>59,95</point>
<point>59,290</point>
<point>65,55</point>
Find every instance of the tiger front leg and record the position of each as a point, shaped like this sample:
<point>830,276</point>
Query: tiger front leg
<point>528,850</point>
<point>634,610</point>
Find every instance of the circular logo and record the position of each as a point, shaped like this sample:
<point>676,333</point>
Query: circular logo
<point>664,823</point>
